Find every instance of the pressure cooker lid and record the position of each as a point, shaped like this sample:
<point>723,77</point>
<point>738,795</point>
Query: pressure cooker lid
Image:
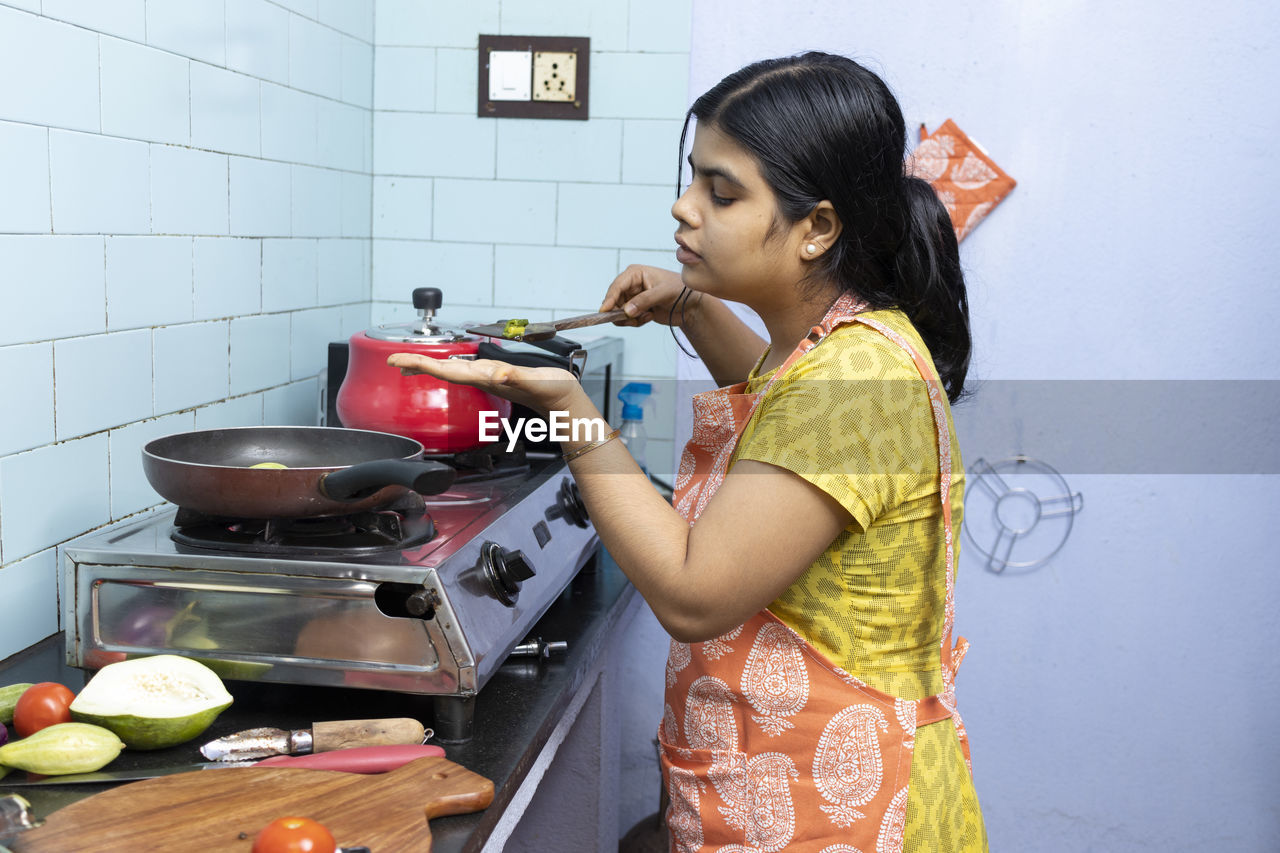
<point>417,333</point>
<point>426,330</point>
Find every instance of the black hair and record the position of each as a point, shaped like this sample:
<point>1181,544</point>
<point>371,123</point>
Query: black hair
<point>821,127</point>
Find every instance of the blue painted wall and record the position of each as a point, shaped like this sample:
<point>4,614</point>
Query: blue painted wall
<point>1118,697</point>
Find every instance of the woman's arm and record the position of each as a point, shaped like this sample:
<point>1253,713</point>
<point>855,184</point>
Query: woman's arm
<point>762,530</point>
<point>727,346</point>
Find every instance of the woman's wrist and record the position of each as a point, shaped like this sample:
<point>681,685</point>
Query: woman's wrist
<point>584,423</point>
<point>583,449</point>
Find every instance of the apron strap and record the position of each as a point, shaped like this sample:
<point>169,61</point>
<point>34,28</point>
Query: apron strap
<point>846,309</point>
<point>950,656</point>
<point>958,653</point>
<point>931,710</point>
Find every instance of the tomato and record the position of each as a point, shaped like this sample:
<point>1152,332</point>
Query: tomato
<point>294,835</point>
<point>40,706</point>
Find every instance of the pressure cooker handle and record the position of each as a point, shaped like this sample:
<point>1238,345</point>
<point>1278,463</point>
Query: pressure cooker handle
<point>356,482</point>
<point>562,358</point>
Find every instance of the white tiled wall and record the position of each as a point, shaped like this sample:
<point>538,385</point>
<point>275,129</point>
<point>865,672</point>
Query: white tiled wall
<point>197,195</point>
<point>517,217</point>
<point>185,200</point>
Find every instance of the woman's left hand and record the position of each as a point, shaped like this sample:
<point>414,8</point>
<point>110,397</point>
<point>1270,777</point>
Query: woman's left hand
<point>543,389</point>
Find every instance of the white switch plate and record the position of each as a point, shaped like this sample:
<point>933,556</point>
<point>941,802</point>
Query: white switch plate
<point>510,75</point>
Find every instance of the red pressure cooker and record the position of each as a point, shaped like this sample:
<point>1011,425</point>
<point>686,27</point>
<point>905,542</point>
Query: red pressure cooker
<point>444,417</point>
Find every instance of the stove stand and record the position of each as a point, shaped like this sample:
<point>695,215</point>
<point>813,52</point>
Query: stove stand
<point>406,524</point>
<point>453,718</point>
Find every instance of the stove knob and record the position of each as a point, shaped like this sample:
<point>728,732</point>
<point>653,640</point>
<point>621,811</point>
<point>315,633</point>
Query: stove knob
<point>571,506</point>
<point>422,603</point>
<point>505,571</point>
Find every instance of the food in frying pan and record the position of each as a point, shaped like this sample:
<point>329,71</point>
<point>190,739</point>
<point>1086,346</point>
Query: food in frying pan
<point>269,465</point>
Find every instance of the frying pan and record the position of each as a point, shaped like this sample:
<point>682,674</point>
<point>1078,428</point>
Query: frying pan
<point>329,471</point>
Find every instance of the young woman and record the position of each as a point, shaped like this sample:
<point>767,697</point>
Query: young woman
<point>805,569</point>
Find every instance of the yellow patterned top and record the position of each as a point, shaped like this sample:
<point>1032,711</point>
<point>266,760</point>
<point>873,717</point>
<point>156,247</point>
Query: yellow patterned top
<point>852,417</point>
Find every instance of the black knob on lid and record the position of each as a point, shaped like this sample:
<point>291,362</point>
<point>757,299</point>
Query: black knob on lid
<point>427,298</point>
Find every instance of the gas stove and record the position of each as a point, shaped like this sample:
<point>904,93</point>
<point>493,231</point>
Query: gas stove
<point>428,596</point>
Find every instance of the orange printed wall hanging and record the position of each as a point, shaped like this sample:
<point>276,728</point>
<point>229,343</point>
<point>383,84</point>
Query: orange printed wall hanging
<point>967,180</point>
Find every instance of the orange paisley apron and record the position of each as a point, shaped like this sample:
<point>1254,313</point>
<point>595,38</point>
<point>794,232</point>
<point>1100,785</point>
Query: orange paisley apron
<point>766,744</point>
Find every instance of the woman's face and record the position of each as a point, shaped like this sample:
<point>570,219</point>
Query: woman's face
<point>725,243</point>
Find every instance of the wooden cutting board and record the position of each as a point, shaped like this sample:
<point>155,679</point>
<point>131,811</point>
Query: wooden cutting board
<point>222,809</point>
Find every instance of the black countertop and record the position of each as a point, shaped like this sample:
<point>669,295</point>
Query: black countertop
<point>515,712</point>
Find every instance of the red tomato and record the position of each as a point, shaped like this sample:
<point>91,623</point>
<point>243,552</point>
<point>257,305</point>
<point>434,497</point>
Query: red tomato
<point>40,706</point>
<point>294,835</point>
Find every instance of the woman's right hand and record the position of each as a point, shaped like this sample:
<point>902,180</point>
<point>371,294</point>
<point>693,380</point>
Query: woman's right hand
<point>649,293</point>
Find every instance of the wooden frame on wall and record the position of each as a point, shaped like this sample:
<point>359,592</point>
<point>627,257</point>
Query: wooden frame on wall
<point>575,110</point>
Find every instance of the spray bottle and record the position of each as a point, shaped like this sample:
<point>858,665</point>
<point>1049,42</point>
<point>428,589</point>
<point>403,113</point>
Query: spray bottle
<point>633,396</point>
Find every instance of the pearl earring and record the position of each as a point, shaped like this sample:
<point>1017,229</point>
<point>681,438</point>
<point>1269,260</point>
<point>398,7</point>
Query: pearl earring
<point>810,248</point>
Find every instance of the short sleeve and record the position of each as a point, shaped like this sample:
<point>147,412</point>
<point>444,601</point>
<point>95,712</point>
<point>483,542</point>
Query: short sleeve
<point>853,418</point>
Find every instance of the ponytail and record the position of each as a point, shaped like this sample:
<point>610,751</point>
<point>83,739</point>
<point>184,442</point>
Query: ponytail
<point>931,289</point>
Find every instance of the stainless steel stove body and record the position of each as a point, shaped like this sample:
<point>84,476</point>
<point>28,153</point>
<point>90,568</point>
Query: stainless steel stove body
<point>435,618</point>
<point>438,618</point>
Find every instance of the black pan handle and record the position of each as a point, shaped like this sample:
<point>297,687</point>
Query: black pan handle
<point>558,346</point>
<point>356,482</point>
<point>529,359</point>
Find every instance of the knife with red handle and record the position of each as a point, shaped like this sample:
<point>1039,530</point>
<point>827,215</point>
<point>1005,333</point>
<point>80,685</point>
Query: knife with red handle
<point>359,759</point>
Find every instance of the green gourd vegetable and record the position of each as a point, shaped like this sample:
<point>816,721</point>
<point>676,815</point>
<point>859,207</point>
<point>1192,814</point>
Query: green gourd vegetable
<point>9,697</point>
<point>63,748</point>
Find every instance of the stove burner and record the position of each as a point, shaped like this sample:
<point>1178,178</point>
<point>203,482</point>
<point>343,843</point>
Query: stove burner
<point>405,524</point>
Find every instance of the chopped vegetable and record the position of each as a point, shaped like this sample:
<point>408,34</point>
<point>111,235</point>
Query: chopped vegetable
<point>153,702</point>
<point>514,328</point>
